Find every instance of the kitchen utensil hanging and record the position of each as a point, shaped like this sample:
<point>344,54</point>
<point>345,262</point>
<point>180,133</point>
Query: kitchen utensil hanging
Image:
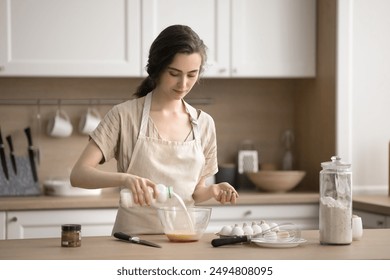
<point>22,174</point>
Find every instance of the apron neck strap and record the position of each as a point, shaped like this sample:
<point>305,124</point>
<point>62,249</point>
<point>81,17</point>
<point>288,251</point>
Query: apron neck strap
<point>194,120</point>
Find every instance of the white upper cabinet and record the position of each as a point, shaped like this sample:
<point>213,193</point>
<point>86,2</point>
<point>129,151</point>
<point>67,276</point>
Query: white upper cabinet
<point>246,38</point>
<point>273,38</point>
<point>70,38</point>
<point>208,18</point>
<point>111,38</point>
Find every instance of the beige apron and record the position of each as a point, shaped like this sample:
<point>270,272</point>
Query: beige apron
<point>172,163</point>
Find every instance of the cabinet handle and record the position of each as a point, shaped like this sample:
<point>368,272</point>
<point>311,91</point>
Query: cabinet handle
<point>247,213</point>
<point>379,223</point>
<point>222,70</point>
<point>1,68</point>
<point>13,219</point>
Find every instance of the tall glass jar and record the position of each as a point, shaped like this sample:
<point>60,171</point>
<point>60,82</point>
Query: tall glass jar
<point>335,221</point>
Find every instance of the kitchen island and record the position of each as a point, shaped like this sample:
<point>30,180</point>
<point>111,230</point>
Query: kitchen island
<point>374,245</point>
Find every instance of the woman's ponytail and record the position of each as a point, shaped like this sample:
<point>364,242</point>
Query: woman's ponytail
<point>146,86</point>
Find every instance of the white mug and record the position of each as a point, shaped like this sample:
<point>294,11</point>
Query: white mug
<point>89,121</point>
<point>60,125</point>
<point>357,227</point>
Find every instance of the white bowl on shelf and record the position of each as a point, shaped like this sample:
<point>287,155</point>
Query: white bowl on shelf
<point>59,187</point>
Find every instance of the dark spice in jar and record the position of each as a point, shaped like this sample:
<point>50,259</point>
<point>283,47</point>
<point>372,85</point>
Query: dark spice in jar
<point>71,235</point>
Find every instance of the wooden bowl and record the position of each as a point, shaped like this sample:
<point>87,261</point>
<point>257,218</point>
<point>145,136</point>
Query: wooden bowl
<point>276,180</point>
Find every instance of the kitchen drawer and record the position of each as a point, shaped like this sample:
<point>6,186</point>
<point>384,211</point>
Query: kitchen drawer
<point>373,220</point>
<point>2,225</point>
<point>47,223</point>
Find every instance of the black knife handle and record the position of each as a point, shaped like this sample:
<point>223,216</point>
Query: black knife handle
<point>9,140</point>
<point>121,235</point>
<point>1,137</point>
<point>228,240</point>
<point>27,130</point>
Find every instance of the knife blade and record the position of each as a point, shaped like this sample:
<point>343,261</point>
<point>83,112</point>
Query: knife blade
<point>12,156</point>
<point>2,157</point>
<point>31,154</point>
<point>135,239</point>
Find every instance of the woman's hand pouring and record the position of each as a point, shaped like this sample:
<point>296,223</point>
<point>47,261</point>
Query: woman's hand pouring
<point>143,190</point>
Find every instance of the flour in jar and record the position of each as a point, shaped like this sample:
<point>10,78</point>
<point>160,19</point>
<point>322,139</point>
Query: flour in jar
<point>335,222</point>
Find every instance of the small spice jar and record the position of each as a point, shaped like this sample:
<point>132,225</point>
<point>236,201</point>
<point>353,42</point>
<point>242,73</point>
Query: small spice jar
<point>71,235</point>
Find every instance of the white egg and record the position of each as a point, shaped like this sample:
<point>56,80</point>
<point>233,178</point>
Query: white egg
<point>274,226</point>
<point>256,228</point>
<point>237,230</point>
<point>247,229</point>
<point>264,226</point>
<point>226,230</point>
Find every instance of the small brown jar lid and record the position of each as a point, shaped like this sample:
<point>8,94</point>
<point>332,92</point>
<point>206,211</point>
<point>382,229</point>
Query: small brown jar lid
<point>71,227</point>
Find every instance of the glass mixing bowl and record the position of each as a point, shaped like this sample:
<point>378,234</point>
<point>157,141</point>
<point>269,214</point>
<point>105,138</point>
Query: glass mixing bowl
<point>184,225</point>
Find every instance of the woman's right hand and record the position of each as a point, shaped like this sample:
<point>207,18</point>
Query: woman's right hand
<point>143,190</point>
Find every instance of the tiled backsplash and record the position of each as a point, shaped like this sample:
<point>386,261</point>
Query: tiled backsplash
<point>259,110</point>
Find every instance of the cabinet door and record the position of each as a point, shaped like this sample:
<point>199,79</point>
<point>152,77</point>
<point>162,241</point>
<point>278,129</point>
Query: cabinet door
<point>273,38</point>
<point>2,225</point>
<point>43,224</point>
<point>208,18</point>
<point>70,38</point>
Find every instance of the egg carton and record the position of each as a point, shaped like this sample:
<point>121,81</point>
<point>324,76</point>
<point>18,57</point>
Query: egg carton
<point>249,229</point>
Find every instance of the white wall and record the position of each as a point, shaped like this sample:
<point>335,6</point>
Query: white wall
<point>363,131</point>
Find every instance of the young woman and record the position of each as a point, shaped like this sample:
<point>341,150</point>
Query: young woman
<point>157,137</point>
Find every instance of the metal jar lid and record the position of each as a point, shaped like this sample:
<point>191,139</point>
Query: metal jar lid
<point>335,164</point>
<point>71,227</point>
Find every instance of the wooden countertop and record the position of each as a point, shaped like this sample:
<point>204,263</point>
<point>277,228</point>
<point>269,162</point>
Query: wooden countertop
<point>379,204</point>
<point>112,200</point>
<point>58,202</point>
<point>375,244</point>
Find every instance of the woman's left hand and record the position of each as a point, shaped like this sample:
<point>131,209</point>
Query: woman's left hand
<point>225,193</point>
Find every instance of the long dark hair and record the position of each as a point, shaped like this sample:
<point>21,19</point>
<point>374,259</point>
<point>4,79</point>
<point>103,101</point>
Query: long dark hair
<point>172,40</point>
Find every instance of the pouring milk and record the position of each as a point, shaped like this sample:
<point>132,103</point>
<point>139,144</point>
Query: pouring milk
<point>164,193</point>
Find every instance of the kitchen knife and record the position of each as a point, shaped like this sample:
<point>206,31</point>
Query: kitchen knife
<point>230,240</point>
<point>134,239</point>
<point>31,154</point>
<point>11,147</point>
<point>2,157</point>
